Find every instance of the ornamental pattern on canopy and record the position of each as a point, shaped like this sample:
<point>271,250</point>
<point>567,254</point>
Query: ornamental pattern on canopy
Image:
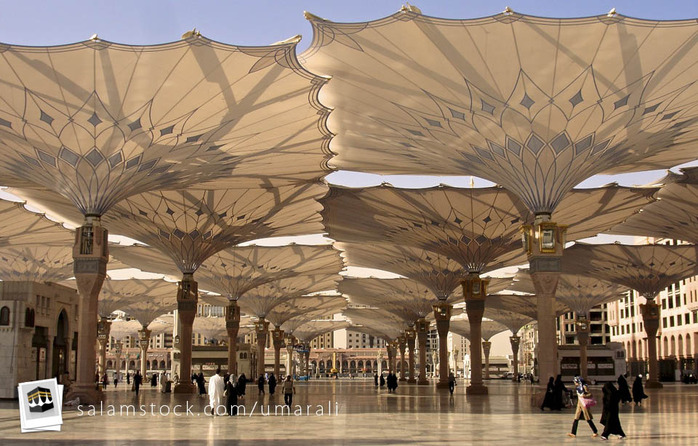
<point>579,293</point>
<point>210,327</point>
<point>236,270</point>
<point>674,216</point>
<point>479,228</point>
<point>19,226</point>
<point>406,298</point>
<point>262,299</point>
<point>36,263</point>
<point>522,304</point>
<point>433,270</point>
<point>144,299</point>
<point>121,329</point>
<point>41,263</point>
<point>192,225</point>
<point>99,121</point>
<point>648,269</point>
<point>312,329</point>
<point>318,306</point>
<point>513,321</point>
<point>377,322</point>
<point>535,104</point>
<point>147,299</point>
<point>461,327</point>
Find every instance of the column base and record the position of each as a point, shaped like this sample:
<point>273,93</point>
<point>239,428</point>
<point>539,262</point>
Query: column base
<point>423,382</point>
<point>442,385</point>
<point>89,395</point>
<point>184,387</point>
<point>411,381</point>
<point>654,385</point>
<point>476,390</point>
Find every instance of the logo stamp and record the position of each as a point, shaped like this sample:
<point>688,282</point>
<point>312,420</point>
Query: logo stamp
<point>40,404</point>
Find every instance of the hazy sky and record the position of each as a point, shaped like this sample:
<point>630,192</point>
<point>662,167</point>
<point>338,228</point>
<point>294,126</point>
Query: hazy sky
<point>261,22</point>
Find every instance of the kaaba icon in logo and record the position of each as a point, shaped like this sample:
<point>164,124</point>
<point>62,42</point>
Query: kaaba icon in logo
<point>40,400</point>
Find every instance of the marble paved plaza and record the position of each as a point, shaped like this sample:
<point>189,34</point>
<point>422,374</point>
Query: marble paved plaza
<point>366,416</point>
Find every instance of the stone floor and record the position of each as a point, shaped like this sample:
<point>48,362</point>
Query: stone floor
<point>366,416</point>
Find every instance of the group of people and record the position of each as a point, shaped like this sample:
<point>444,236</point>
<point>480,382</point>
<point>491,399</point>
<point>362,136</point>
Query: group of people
<point>554,394</point>
<point>391,381</point>
<point>240,385</point>
<point>228,389</point>
<point>137,380</point>
<point>612,398</point>
<point>271,379</point>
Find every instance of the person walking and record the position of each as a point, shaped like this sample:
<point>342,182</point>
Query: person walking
<point>549,399</point>
<point>137,380</point>
<point>451,383</point>
<point>392,382</point>
<point>382,381</point>
<point>215,392</point>
<point>201,382</point>
<point>375,379</point>
<point>624,390</point>
<point>289,390</point>
<point>231,397</point>
<point>584,400</point>
<point>559,391</point>
<point>609,412</point>
<point>638,391</point>
<point>105,381</point>
<point>242,385</point>
<point>116,379</point>
<point>260,384</point>
<point>272,384</point>
<point>128,378</point>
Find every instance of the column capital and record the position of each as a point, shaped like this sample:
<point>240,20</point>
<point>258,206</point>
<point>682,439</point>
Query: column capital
<point>187,296</point>
<point>422,326</point>
<point>442,311</point>
<point>91,242</point>
<point>474,288</point>
<point>543,238</point>
<point>651,313</point>
<point>103,329</point>
<point>410,335</point>
<point>144,338</point>
<point>277,336</point>
<point>261,326</point>
<point>400,341</point>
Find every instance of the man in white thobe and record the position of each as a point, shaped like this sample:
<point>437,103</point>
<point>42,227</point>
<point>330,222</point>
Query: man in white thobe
<point>216,388</point>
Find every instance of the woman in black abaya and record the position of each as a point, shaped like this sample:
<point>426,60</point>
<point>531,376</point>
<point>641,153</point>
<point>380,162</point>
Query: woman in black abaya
<point>624,390</point>
<point>609,413</point>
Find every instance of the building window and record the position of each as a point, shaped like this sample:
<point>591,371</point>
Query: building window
<point>4,316</point>
<point>29,318</point>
